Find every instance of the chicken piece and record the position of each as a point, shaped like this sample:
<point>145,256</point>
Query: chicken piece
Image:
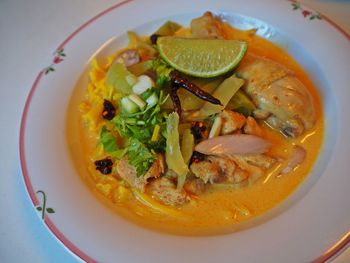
<point>275,90</point>
<point>235,169</point>
<point>194,186</point>
<point>206,170</point>
<point>254,172</point>
<point>232,121</point>
<point>260,160</point>
<point>255,164</point>
<point>206,26</point>
<point>238,177</point>
<point>227,169</point>
<point>128,172</point>
<point>261,114</point>
<point>252,127</point>
<point>156,169</point>
<point>221,170</point>
<point>164,189</point>
<point>230,171</point>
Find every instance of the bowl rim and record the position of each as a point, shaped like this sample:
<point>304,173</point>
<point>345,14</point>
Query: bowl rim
<point>342,243</point>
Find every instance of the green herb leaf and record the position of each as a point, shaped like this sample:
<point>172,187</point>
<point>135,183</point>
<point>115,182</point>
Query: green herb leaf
<point>139,156</point>
<point>117,76</point>
<point>140,125</point>
<point>118,154</point>
<point>163,72</point>
<point>108,141</point>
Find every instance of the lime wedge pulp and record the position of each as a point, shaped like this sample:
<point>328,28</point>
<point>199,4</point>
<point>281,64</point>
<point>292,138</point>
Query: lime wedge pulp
<point>201,57</point>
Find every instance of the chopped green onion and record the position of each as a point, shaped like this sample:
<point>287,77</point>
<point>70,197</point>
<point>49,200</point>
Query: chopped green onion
<point>128,105</point>
<point>152,100</point>
<point>155,134</point>
<point>137,100</point>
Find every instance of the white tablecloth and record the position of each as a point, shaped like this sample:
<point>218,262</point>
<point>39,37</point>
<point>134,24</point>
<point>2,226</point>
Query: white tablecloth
<point>29,31</point>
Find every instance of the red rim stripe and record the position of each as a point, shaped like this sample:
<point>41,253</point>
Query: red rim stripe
<point>336,26</point>
<point>21,141</point>
<point>341,244</point>
<point>335,249</point>
<point>69,38</point>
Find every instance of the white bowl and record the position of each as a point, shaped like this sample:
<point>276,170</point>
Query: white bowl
<point>310,225</point>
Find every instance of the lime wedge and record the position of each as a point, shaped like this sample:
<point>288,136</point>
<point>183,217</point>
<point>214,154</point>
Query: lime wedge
<point>201,57</point>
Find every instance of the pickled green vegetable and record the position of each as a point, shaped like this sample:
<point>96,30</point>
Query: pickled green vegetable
<point>117,76</point>
<point>140,44</point>
<point>168,29</point>
<point>140,68</point>
<point>224,93</point>
<point>191,102</point>
<point>241,103</point>
<point>187,145</point>
<point>173,154</point>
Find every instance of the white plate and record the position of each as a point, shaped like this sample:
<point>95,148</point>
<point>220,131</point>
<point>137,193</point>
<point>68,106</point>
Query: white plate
<point>312,224</point>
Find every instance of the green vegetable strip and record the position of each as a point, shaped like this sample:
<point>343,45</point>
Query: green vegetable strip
<point>224,93</point>
<point>240,102</point>
<point>187,145</point>
<point>168,29</point>
<point>155,135</point>
<point>107,140</point>
<point>163,72</point>
<point>173,154</point>
<point>147,126</point>
<point>139,156</point>
<point>117,77</point>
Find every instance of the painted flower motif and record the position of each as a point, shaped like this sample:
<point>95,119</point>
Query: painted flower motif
<point>305,12</point>
<point>57,60</point>
<point>59,56</point>
<point>42,208</point>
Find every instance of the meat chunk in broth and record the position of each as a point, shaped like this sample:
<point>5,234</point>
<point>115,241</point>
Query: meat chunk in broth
<point>252,127</point>
<point>206,170</point>
<point>206,26</point>
<point>235,169</point>
<point>254,164</point>
<point>164,189</point>
<point>232,121</point>
<point>277,92</point>
<point>128,172</point>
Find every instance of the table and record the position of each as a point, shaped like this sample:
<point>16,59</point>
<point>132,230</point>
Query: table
<point>30,30</point>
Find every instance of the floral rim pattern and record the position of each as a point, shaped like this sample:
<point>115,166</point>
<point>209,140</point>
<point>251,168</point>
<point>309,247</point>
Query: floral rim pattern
<point>307,13</point>
<point>59,56</point>
<point>42,208</point>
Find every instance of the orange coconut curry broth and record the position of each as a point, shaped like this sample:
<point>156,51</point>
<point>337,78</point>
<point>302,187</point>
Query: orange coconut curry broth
<point>268,141</point>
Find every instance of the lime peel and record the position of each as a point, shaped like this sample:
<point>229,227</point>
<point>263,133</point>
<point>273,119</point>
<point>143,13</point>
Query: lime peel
<point>201,57</point>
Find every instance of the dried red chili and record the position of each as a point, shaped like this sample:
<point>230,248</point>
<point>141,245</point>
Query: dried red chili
<point>154,38</point>
<point>104,165</point>
<point>199,130</point>
<point>177,81</point>
<point>197,157</point>
<point>181,82</point>
<point>108,112</point>
<point>175,99</point>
